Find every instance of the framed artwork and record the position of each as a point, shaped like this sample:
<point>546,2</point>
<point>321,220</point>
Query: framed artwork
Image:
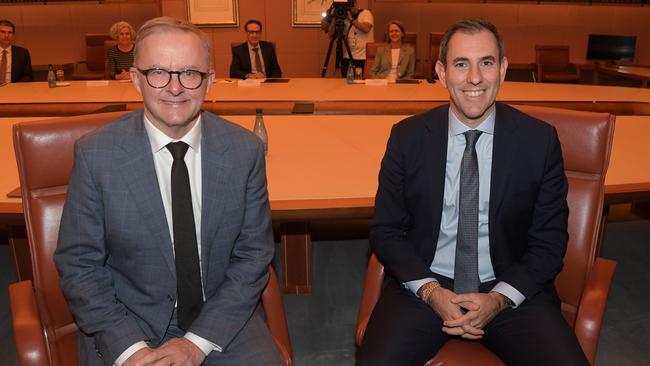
<point>220,13</point>
<point>308,13</point>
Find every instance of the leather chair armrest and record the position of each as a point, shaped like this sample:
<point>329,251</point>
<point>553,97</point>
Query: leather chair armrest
<point>30,340</point>
<point>371,291</point>
<point>276,318</point>
<point>592,306</point>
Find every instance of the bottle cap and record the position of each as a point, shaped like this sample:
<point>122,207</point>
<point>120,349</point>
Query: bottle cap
<point>258,111</point>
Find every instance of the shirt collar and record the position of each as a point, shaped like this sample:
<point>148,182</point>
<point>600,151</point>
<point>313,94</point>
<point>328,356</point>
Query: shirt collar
<point>8,49</point>
<point>159,140</point>
<point>456,127</point>
<point>250,47</point>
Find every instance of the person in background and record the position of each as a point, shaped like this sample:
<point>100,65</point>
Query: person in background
<point>358,31</point>
<point>397,60</point>
<point>471,222</point>
<point>15,62</point>
<point>165,238</point>
<point>254,59</point>
<point>120,56</point>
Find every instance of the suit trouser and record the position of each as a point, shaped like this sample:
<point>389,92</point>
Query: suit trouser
<point>404,330</point>
<point>253,346</point>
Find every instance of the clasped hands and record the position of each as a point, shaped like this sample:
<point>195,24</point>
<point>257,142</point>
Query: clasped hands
<point>176,351</point>
<point>463,315</point>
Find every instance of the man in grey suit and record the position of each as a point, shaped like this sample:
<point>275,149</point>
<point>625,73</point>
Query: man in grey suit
<point>123,269</point>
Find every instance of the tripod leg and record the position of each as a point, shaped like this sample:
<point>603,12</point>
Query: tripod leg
<point>327,57</point>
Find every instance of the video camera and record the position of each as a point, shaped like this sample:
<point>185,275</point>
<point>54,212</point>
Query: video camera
<point>339,12</point>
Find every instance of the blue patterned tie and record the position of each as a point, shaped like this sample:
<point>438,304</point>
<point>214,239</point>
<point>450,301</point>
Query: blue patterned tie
<point>466,278</point>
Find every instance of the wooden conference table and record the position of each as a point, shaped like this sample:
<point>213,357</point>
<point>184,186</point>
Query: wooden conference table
<point>325,167</point>
<point>629,72</point>
<point>325,96</point>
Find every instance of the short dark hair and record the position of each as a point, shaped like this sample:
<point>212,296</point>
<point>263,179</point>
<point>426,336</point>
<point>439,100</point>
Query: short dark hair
<point>252,21</point>
<point>7,23</point>
<point>470,26</point>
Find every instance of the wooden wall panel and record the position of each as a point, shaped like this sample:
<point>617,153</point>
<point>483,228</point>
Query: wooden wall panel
<point>525,25</point>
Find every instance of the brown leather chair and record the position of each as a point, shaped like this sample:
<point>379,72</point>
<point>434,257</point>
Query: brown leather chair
<point>107,46</point>
<point>553,65</point>
<point>94,66</point>
<point>583,284</point>
<point>434,49</point>
<point>44,330</point>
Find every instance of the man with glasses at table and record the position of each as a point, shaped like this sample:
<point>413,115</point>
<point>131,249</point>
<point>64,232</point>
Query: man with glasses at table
<point>165,238</point>
<point>254,59</point>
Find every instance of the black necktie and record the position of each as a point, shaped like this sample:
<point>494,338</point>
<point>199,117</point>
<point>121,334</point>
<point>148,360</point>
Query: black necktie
<point>188,273</point>
<point>466,278</point>
<point>258,60</point>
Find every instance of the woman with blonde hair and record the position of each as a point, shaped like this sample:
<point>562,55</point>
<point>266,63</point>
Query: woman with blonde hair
<point>397,60</point>
<point>120,56</point>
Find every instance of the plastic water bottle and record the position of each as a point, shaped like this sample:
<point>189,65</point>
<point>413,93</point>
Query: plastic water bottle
<point>260,129</point>
<point>51,78</point>
<point>350,75</point>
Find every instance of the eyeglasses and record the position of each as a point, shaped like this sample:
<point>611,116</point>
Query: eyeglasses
<point>254,32</point>
<point>160,78</point>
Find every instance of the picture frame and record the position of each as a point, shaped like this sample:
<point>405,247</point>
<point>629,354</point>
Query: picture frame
<point>308,13</point>
<point>219,13</point>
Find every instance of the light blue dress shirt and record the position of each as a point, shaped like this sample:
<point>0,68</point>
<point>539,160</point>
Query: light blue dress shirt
<point>445,256</point>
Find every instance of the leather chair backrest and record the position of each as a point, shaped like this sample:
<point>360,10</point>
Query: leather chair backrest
<point>44,183</point>
<point>107,46</point>
<point>552,58</point>
<point>434,49</point>
<point>586,139</point>
<point>95,54</point>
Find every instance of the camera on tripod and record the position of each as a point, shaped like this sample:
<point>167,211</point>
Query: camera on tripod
<point>339,12</point>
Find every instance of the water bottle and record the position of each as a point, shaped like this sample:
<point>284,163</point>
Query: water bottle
<point>350,75</point>
<point>51,78</point>
<point>260,129</point>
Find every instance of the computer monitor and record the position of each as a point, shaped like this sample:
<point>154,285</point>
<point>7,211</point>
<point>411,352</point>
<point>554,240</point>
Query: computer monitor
<point>613,48</point>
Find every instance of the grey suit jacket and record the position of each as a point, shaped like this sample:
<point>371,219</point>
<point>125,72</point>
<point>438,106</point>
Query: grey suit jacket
<point>115,254</point>
<point>383,61</point>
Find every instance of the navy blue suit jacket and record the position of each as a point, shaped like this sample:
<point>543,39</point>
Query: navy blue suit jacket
<point>241,61</point>
<point>528,210</point>
<point>21,65</point>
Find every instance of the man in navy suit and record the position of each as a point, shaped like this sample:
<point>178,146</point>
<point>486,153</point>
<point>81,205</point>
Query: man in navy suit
<point>254,59</point>
<point>121,231</point>
<point>15,62</point>
<point>516,222</point>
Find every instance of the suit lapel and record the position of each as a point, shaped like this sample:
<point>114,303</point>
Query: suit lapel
<point>135,162</point>
<point>214,172</point>
<point>435,152</point>
<point>504,150</point>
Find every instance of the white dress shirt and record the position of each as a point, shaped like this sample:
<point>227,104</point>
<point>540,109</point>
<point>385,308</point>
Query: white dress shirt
<point>163,161</point>
<point>445,256</point>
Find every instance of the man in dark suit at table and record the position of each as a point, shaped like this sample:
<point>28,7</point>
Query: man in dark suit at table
<point>15,63</point>
<point>165,238</point>
<point>471,222</point>
<point>254,59</point>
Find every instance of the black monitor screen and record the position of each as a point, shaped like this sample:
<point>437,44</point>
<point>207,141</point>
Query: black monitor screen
<point>605,47</point>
